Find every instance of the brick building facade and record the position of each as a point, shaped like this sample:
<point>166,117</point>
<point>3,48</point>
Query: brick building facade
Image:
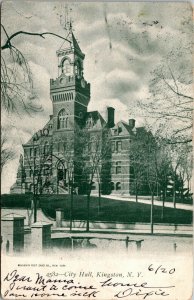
<point>50,161</point>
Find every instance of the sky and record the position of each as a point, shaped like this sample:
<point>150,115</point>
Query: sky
<point>123,43</point>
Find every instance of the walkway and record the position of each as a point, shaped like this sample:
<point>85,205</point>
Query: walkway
<point>148,201</point>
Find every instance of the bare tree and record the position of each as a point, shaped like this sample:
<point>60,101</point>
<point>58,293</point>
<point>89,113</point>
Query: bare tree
<point>170,101</point>
<point>67,158</point>
<point>102,146</point>
<point>94,162</point>
<point>137,162</point>
<point>17,91</point>
<point>7,153</point>
<point>181,157</point>
<point>163,165</point>
<point>151,172</point>
<point>37,164</point>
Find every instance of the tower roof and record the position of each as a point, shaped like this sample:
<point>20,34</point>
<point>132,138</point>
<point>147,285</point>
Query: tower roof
<point>71,43</point>
<point>75,43</point>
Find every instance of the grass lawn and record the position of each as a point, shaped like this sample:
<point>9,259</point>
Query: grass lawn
<point>110,210</point>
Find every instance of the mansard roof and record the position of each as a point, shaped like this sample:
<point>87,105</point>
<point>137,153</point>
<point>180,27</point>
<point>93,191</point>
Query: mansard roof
<point>124,128</point>
<point>96,118</point>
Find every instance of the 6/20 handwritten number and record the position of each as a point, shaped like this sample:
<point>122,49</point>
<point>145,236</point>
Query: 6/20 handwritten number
<point>160,269</point>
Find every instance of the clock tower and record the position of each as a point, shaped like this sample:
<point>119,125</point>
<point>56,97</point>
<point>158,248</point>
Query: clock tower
<point>70,93</point>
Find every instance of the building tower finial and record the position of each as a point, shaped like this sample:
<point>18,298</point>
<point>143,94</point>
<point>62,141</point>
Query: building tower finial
<point>70,26</point>
<point>67,19</point>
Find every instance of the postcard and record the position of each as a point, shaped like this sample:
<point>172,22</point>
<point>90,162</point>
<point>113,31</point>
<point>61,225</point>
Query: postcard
<point>96,150</point>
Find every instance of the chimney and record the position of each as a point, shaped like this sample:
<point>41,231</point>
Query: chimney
<point>110,117</point>
<point>131,123</point>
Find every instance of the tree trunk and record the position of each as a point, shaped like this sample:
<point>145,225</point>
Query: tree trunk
<point>136,192</point>
<point>88,213</point>
<point>99,197</point>
<point>174,195</point>
<point>71,209</point>
<point>32,211</point>
<point>151,214</point>
<point>163,201</point>
<point>35,208</point>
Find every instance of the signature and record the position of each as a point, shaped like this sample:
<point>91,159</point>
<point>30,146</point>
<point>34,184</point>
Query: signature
<point>136,289</point>
<point>22,286</point>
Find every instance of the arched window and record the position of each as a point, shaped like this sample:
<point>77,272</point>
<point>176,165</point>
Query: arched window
<point>118,186</point>
<point>35,151</point>
<point>118,167</point>
<point>77,69</point>
<point>66,67</point>
<point>46,148</point>
<point>46,170</point>
<point>66,122</point>
<point>63,120</point>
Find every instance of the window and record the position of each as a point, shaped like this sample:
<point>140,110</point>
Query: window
<point>60,147</point>
<point>78,68</point>
<point>113,146</point>
<point>118,186</point>
<point>81,114</point>
<point>46,170</point>
<point>90,122</point>
<point>35,152</point>
<point>112,186</point>
<point>46,148</point>
<point>119,146</point>
<point>93,187</point>
<point>31,187</point>
<point>118,167</point>
<point>119,130</point>
<point>66,67</point>
<point>112,169</point>
<point>36,172</point>
<point>63,119</point>
<point>66,122</point>
<point>31,152</point>
<point>65,146</point>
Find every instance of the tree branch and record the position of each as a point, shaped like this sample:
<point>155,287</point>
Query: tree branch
<point>8,42</point>
<point>176,92</point>
<point>179,142</point>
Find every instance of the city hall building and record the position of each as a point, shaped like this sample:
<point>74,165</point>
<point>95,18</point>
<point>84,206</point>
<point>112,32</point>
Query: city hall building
<point>60,155</point>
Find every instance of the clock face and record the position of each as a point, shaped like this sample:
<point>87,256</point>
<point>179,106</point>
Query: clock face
<point>83,83</point>
<point>62,80</point>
